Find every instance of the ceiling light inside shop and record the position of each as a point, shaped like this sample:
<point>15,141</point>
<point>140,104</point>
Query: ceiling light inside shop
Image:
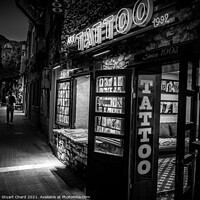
<point>56,67</point>
<point>101,53</point>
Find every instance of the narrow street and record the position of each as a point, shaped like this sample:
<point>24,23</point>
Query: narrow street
<point>110,92</point>
<point>28,166</point>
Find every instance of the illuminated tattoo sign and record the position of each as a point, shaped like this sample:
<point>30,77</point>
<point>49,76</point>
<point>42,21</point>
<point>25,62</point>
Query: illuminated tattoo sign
<point>144,144</point>
<point>113,25</point>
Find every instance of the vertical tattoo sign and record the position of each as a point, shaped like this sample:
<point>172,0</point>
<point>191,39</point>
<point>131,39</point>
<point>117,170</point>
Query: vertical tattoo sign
<point>144,130</point>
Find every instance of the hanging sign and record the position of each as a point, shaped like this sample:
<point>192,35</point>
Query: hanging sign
<point>113,25</point>
<point>145,129</point>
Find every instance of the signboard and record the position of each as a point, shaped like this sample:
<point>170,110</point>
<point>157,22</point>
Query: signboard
<point>113,25</point>
<point>145,129</point>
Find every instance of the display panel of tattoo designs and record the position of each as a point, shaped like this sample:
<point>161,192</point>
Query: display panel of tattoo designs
<point>63,100</point>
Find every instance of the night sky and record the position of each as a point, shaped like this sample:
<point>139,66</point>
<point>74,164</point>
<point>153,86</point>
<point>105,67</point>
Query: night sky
<point>13,23</point>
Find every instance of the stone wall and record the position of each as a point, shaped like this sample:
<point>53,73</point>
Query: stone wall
<point>71,153</point>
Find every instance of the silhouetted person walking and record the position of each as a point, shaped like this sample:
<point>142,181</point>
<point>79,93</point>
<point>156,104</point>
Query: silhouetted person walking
<point>10,107</point>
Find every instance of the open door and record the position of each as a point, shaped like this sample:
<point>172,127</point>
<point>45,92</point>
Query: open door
<point>187,124</point>
<point>109,133</point>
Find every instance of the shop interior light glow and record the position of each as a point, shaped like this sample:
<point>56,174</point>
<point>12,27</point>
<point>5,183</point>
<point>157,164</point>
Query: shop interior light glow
<point>56,67</point>
<point>101,53</point>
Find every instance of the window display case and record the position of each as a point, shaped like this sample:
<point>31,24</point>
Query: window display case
<point>70,134</point>
<point>109,111</point>
<point>63,103</point>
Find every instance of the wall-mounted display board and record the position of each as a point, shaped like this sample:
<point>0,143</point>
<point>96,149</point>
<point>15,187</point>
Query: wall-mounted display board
<point>63,102</point>
<point>108,107</point>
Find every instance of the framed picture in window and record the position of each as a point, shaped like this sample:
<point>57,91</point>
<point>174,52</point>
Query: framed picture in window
<point>169,86</point>
<point>63,103</point>
<point>169,107</point>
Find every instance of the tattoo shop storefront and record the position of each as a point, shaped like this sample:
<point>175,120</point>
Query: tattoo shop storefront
<point>127,112</point>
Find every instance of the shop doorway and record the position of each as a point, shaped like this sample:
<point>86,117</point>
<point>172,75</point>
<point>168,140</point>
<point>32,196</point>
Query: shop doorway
<point>165,125</point>
<point>141,127</point>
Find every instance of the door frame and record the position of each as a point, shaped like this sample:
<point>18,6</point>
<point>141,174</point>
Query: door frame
<point>188,160</point>
<point>181,57</point>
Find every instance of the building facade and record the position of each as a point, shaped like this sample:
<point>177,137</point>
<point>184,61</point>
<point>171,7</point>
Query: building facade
<point>116,91</point>
<point>126,98</point>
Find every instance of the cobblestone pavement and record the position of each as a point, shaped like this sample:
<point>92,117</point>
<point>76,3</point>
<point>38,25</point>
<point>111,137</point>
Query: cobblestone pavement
<point>28,168</point>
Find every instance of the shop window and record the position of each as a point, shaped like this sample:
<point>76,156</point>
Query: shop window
<point>188,110</point>
<point>63,103</point>
<point>168,129</point>
<point>169,93</point>
<point>82,95</point>
<point>168,109</point>
<point>190,84</point>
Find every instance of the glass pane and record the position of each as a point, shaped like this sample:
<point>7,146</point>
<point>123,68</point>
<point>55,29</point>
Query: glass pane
<point>109,125</point>
<point>110,104</point>
<point>189,77</point>
<point>108,145</point>
<point>111,84</point>
<point>62,103</point>
<point>198,75</point>
<point>168,131</point>
<point>189,117</point>
<point>82,101</point>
